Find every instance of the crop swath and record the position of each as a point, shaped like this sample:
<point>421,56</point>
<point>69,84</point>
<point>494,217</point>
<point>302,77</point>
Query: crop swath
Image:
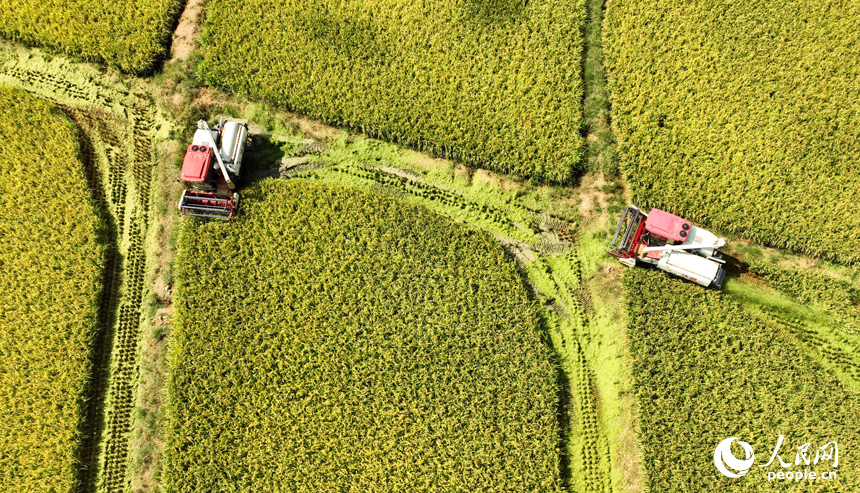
<point>819,312</point>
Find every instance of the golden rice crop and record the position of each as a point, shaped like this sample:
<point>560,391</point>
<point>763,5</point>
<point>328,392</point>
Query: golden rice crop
<point>742,115</point>
<point>706,368</point>
<point>495,83</point>
<point>130,35</point>
<point>329,339</point>
<point>49,292</point>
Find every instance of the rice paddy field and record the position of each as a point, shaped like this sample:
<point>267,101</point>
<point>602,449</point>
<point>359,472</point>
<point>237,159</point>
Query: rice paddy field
<point>708,368</point>
<point>50,288</point>
<point>415,295</point>
<point>129,35</point>
<point>332,339</point>
<point>742,116</point>
<point>495,84</point>
<point>111,125</point>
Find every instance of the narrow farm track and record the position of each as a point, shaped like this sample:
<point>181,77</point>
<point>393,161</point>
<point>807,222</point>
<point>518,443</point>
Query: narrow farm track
<point>187,31</point>
<point>115,127</point>
<point>558,280</point>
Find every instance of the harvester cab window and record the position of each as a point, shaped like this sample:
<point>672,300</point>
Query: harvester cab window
<point>656,240</point>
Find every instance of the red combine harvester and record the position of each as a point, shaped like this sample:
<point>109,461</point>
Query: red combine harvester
<point>211,167</point>
<point>669,243</point>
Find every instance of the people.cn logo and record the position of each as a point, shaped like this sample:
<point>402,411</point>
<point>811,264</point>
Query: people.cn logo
<point>729,465</point>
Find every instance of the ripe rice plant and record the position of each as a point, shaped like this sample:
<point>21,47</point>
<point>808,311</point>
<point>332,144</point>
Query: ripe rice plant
<point>839,295</point>
<point>743,116</point>
<point>707,369</point>
<point>129,35</point>
<point>49,294</point>
<point>330,339</point>
<point>497,84</point>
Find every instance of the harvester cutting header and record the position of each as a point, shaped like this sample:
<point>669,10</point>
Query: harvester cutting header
<point>669,243</point>
<point>211,167</point>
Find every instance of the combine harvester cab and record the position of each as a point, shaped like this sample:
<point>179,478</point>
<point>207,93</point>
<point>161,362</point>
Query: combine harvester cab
<point>669,243</point>
<point>210,172</point>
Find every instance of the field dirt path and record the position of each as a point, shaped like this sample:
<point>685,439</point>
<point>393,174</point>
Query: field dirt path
<point>145,463</point>
<point>188,30</point>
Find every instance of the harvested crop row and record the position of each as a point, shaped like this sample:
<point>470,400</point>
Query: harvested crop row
<point>127,34</point>
<point>497,84</point>
<point>330,339</point>
<point>558,280</point>
<point>838,295</point>
<point>743,116</point>
<point>116,127</point>
<point>814,308</point>
<point>706,369</point>
<point>49,294</point>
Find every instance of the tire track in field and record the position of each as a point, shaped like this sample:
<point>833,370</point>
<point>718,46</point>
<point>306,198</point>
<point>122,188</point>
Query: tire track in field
<point>584,456</point>
<point>115,127</point>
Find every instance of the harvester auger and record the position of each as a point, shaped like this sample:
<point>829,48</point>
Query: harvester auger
<point>669,243</point>
<point>211,168</point>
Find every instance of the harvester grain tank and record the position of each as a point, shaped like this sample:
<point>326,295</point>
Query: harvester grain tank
<point>212,165</point>
<point>669,243</point>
